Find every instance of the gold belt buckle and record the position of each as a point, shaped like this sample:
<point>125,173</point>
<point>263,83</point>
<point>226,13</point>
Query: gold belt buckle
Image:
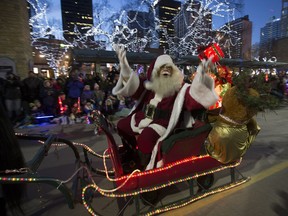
<point>150,111</point>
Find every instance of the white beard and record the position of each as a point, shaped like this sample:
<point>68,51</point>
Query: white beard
<point>165,86</point>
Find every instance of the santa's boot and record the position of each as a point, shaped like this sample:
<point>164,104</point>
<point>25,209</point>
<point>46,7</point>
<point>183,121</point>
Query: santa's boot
<point>143,160</point>
<point>137,160</point>
<point>127,158</point>
<point>127,152</point>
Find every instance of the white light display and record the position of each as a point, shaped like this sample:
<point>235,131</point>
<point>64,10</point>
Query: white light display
<point>119,27</point>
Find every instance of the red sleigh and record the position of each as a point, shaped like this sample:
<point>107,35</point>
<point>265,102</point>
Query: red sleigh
<point>183,161</point>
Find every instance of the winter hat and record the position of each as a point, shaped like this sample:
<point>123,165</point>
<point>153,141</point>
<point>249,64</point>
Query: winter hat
<point>96,85</point>
<point>47,83</point>
<point>87,87</point>
<point>155,66</point>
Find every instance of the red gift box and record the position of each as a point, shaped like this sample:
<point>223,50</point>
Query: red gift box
<point>213,51</point>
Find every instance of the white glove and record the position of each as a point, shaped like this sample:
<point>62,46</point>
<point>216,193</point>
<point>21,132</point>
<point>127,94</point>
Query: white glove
<point>125,69</point>
<point>203,69</point>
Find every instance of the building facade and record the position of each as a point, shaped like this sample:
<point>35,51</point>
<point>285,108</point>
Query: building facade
<point>76,13</point>
<point>15,43</point>
<point>279,49</point>
<point>268,35</point>
<point>284,19</point>
<point>241,38</point>
<point>191,26</point>
<point>144,22</point>
<point>166,10</point>
<point>273,36</point>
<point>187,17</point>
<point>184,19</point>
<point>271,31</point>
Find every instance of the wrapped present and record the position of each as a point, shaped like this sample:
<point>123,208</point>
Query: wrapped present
<point>214,51</point>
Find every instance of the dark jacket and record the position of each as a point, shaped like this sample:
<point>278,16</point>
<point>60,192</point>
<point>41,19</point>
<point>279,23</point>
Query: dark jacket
<point>31,88</point>
<point>75,88</point>
<point>12,89</point>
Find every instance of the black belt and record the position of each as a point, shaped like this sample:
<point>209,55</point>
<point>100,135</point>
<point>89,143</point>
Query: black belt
<point>152,112</point>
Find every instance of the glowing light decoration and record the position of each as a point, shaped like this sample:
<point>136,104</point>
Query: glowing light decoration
<point>199,32</point>
<point>116,28</point>
<point>61,107</point>
<point>78,105</point>
<point>112,193</point>
<point>136,174</point>
<point>43,35</point>
<point>123,27</point>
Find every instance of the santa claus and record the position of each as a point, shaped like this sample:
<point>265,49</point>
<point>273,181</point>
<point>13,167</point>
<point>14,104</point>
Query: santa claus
<point>161,99</point>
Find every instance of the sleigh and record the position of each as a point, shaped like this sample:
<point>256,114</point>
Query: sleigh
<point>184,160</point>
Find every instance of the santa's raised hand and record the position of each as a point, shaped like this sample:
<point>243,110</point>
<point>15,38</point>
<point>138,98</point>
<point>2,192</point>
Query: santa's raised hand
<point>125,69</point>
<point>204,67</point>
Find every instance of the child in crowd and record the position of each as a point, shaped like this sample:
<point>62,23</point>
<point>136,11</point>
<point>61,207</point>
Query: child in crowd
<point>62,110</point>
<point>122,102</point>
<point>98,96</point>
<point>86,95</point>
<point>108,109</point>
<point>48,98</point>
<point>88,108</point>
<point>62,106</point>
<point>36,109</point>
<point>76,113</point>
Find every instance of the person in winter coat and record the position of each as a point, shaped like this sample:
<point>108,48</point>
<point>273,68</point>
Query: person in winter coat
<point>74,89</point>
<point>30,90</point>
<point>87,95</point>
<point>48,97</point>
<point>12,95</point>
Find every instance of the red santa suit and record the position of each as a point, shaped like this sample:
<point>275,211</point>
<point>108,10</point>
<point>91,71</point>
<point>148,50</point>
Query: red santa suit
<point>154,116</point>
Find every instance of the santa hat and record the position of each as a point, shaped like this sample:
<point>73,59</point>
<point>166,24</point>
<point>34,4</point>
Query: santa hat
<point>155,66</point>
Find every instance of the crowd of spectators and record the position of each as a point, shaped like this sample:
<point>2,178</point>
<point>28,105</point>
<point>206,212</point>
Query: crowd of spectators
<point>279,85</point>
<point>64,100</point>
<point>71,99</point>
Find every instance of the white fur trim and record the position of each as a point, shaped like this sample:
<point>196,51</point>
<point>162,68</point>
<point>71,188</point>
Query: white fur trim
<point>127,88</point>
<point>138,102</point>
<point>160,163</point>
<point>188,120</point>
<point>154,101</point>
<point>146,122</point>
<point>148,85</point>
<point>142,124</point>
<point>202,89</point>
<point>177,109</point>
<point>160,61</point>
<point>160,130</point>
